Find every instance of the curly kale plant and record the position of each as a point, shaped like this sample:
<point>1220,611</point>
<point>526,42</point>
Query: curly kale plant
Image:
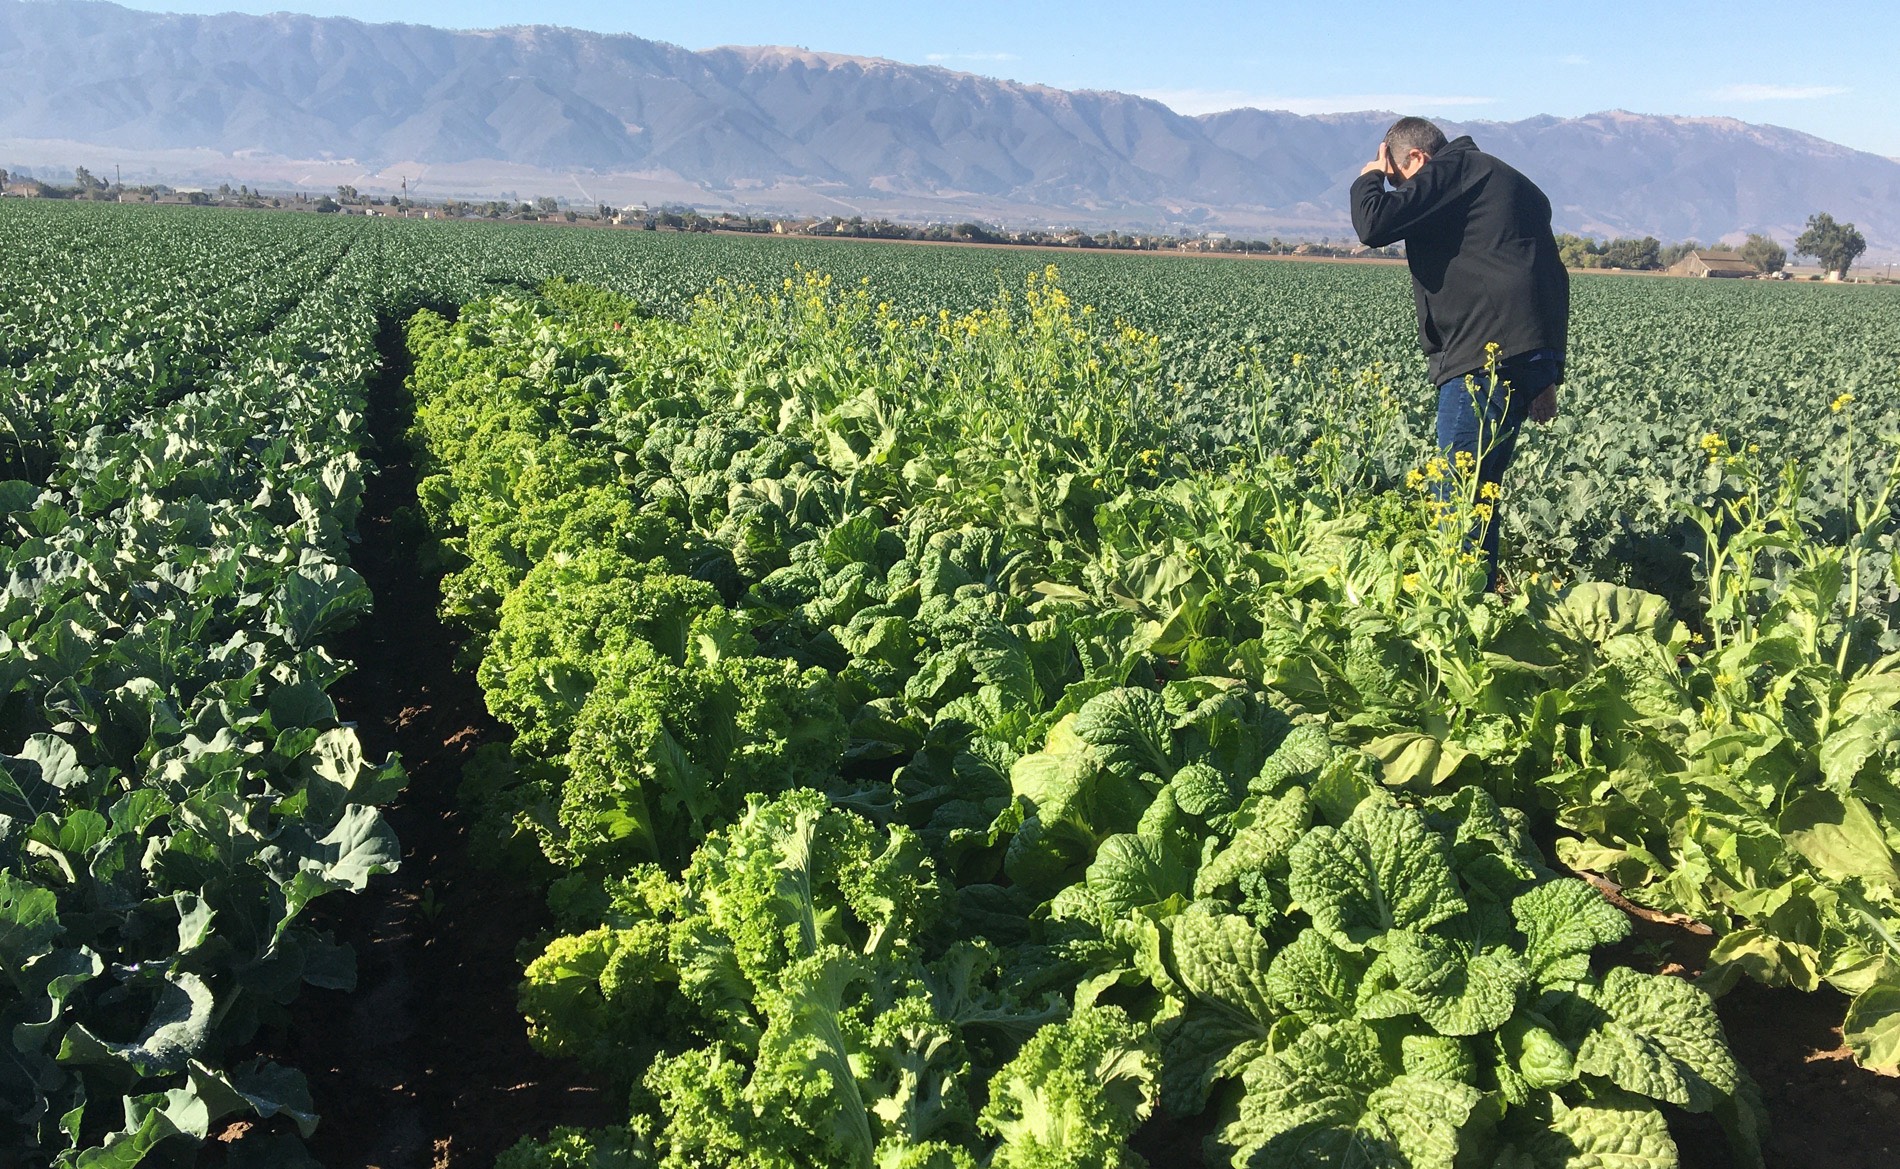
<point>796,1001</point>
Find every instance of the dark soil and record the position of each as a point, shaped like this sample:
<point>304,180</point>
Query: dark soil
<point>426,1063</point>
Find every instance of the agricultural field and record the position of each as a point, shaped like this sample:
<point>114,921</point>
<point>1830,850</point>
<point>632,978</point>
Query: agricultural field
<point>776,703</point>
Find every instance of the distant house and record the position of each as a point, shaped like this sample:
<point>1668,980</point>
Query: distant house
<point>27,189</point>
<point>1713,263</point>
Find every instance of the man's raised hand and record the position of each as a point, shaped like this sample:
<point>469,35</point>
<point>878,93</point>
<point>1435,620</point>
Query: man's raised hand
<point>1382,164</point>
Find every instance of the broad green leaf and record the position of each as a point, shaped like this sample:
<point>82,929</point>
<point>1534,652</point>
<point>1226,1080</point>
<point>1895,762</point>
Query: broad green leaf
<point>1416,762</point>
<point>1872,1030</point>
<point>359,847</point>
<point>259,1087</point>
<point>1224,960</point>
<point>178,1029</point>
<point>1603,1136</point>
<point>59,763</point>
<point>1868,694</point>
<point>1845,752</point>
<point>1768,959</point>
<point>1426,975</point>
<point>1382,870</point>
<point>1595,612</point>
<point>1565,921</point>
<point>314,602</point>
<point>1332,1100</point>
<point>1662,1040</point>
<point>29,922</point>
<point>1840,837</point>
<point>1132,870</point>
<point>1261,847</point>
<point>1419,1117</point>
<point>1314,980</point>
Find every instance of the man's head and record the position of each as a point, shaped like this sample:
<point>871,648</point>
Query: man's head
<point>1410,143</point>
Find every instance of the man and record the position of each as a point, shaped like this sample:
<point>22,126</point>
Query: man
<point>1492,294</point>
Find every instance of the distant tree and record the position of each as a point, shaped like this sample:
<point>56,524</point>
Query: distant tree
<point>325,204</point>
<point>547,204</point>
<point>346,194</point>
<point>3,178</point>
<point>1676,252</point>
<point>1636,254</point>
<point>1578,251</point>
<point>1765,254</point>
<point>1835,245</point>
<point>82,178</point>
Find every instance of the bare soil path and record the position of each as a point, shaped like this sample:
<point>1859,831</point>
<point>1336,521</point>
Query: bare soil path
<point>425,1065</point>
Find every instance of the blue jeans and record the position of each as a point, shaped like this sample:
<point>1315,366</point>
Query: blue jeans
<point>1481,419</point>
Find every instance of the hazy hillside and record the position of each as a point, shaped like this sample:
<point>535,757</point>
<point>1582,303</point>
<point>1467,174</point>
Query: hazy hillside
<point>292,97</point>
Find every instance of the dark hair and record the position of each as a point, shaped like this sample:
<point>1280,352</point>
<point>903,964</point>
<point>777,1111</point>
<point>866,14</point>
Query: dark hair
<point>1409,134</point>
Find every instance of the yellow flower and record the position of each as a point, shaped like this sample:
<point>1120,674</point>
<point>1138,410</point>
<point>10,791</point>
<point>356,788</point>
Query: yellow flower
<point>1841,402</point>
<point>1754,448</point>
<point>1695,639</point>
<point>1489,490</point>
<point>1482,511</point>
<point>1409,582</point>
<point>1467,462</point>
<point>1297,359</point>
<point>1415,479</point>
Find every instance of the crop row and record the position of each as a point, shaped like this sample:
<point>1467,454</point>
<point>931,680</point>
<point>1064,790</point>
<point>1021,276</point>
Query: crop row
<point>901,815</point>
<point>176,788</point>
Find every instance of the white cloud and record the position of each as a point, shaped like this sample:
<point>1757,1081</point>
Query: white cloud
<point>969,56</point>
<point>1209,101</point>
<point>1758,91</point>
<point>1575,60</point>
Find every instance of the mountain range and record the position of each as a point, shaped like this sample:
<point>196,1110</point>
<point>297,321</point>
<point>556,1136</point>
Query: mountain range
<point>540,110</point>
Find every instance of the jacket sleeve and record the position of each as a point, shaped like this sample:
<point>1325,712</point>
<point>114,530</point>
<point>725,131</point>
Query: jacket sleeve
<point>1384,217</point>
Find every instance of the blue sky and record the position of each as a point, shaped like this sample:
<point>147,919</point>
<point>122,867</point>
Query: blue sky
<point>1823,67</point>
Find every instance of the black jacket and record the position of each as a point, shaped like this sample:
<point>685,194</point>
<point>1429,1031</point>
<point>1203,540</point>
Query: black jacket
<point>1484,263</point>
